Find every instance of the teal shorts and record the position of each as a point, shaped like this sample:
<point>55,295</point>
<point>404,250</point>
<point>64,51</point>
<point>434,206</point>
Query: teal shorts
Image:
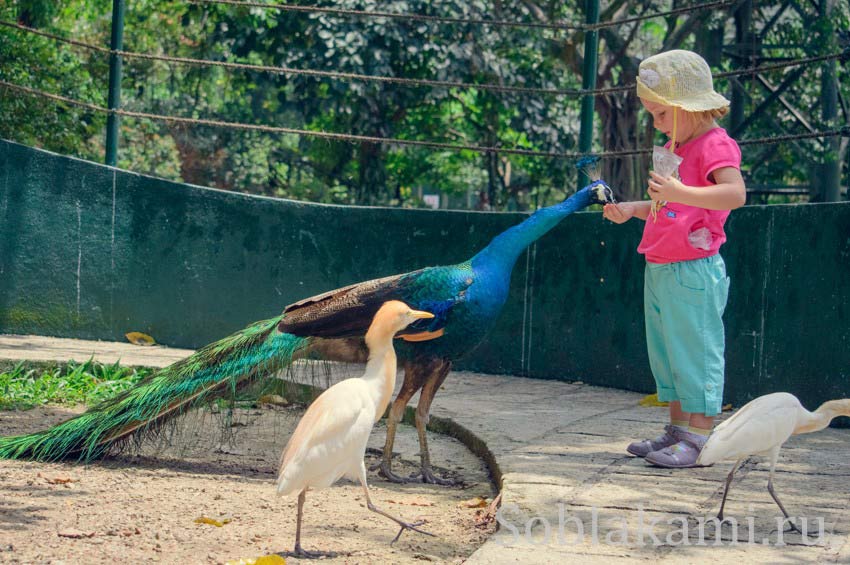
<point>685,339</point>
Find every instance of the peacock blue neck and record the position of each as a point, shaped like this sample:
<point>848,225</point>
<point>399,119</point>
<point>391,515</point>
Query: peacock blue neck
<point>501,254</point>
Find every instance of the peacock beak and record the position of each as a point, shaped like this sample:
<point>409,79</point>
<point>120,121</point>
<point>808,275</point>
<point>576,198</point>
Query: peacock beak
<point>602,193</point>
<point>421,314</point>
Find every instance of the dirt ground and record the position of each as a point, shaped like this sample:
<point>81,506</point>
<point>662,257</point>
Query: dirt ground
<point>143,507</point>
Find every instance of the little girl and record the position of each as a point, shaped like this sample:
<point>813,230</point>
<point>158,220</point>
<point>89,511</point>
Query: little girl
<point>685,283</point>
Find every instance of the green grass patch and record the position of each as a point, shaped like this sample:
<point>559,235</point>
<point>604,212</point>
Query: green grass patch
<point>27,384</point>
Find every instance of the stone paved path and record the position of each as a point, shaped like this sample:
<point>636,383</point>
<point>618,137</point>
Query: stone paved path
<point>559,451</point>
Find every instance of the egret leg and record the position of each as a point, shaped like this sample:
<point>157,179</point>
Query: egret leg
<point>435,379</point>
<point>774,457</point>
<point>408,389</point>
<point>299,551</point>
<point>404,525</point>
<point>726,490</point>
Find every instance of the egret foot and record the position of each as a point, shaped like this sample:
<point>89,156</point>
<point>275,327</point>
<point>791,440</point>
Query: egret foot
<point>792,527</point>
<point>386,472</point>
<point>302,553</point>
<point>406,526</point>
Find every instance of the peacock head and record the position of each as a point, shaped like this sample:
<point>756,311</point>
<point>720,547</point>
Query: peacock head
<point>600,193</point>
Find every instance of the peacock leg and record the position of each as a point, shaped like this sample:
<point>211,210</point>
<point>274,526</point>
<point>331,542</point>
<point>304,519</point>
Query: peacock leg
<point>435,379</point>
<point>408,388</point>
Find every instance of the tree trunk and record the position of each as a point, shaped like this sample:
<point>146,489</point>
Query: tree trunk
<point>201,160</point>
<point>372,182</point>
<point>619,115</point>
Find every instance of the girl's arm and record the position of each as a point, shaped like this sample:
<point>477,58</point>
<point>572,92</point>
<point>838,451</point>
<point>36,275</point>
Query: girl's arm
<point>622,212</point>
<point>729,192</point>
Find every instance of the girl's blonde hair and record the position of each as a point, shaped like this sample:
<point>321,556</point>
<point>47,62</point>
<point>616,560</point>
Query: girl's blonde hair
<point>715,114</point>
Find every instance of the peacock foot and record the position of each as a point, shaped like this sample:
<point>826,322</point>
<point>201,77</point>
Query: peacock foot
<point>377,452</point>
<point>428,476</point>
<point>386,471</point>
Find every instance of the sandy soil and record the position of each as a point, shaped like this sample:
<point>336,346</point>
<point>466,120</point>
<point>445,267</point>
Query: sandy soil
<point>142,507</point>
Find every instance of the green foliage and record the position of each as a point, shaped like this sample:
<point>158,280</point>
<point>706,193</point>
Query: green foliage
<point>308,168</point>
<point>26,385</point>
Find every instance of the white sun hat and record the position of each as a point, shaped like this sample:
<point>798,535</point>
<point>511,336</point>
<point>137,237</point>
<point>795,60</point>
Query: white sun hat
<point>678,78</point>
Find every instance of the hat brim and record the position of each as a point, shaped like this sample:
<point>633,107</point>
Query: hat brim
<point>703,102</point>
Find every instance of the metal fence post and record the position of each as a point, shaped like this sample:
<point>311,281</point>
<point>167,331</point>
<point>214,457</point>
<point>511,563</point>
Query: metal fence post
<point>588,82</point>
<point>831,167</point>
<point>114,97</point>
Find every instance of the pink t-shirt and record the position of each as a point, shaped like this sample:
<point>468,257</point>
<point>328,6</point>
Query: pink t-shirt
<point>668,239</point>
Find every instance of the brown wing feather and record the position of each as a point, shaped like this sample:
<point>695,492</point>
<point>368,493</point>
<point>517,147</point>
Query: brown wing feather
<point>343,312</point>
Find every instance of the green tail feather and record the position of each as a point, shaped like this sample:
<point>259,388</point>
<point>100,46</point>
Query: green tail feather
<point>210,372</point>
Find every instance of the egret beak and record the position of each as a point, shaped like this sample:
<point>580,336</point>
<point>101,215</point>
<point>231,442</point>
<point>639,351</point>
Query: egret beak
<point>421,314</point>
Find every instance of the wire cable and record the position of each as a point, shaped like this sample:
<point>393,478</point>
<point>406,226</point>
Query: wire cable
<point>475,21</point>
<point>842,131</point>
<point>843,56</point>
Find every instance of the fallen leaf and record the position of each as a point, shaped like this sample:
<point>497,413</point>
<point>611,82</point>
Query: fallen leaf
<point>264,560</point>
<point>652,400</point>
<point>75,534</point>
<point>483,518</point>
<point>273,399</point>
<point>414,502</point>
<point>58,480</point>
<point>212,521</point>
<point>270,560</point>
<point>476,502</point>
<point>138,338</point>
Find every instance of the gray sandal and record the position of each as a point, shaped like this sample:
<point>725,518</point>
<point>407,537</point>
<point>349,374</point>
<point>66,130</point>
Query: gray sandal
<point>681,455</point>
<point>647,446</point>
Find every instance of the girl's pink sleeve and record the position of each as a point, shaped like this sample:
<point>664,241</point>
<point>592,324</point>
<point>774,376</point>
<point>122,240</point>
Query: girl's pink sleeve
<point>718,153</point>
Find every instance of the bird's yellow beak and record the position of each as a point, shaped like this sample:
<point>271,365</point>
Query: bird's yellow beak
<point>421,314</point>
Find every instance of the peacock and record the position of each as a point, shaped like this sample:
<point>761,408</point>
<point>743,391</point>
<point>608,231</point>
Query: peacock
<point>465,299</point>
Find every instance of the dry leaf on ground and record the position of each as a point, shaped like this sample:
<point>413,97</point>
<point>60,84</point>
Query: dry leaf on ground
<point>75,534</point>
<point>652,400</point>
<point>212,521</point>
<point>264,560</point>
<point>476,502</point>
<point>138,338</point>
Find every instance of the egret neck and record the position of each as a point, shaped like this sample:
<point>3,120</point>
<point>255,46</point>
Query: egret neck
<point>381,367</point>
<point>820,418</point>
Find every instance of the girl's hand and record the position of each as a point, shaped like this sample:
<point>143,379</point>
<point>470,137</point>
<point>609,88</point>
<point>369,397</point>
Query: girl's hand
<point>664,188</point>
<point>619,213</point>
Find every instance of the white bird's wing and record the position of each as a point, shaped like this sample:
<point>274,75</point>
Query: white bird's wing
<point>329,424</point>
<point>759,426</point>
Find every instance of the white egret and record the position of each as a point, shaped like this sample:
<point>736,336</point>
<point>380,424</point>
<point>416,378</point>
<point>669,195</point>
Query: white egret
<point>760,428</point>
<point>330,440</point>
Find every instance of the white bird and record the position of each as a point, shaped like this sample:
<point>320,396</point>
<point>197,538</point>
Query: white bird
<point>760,428</point>
<point>330,440</point>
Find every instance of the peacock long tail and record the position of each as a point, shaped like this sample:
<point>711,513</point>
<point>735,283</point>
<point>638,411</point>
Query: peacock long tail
<point>214,371</point>
<point>465,298</point>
